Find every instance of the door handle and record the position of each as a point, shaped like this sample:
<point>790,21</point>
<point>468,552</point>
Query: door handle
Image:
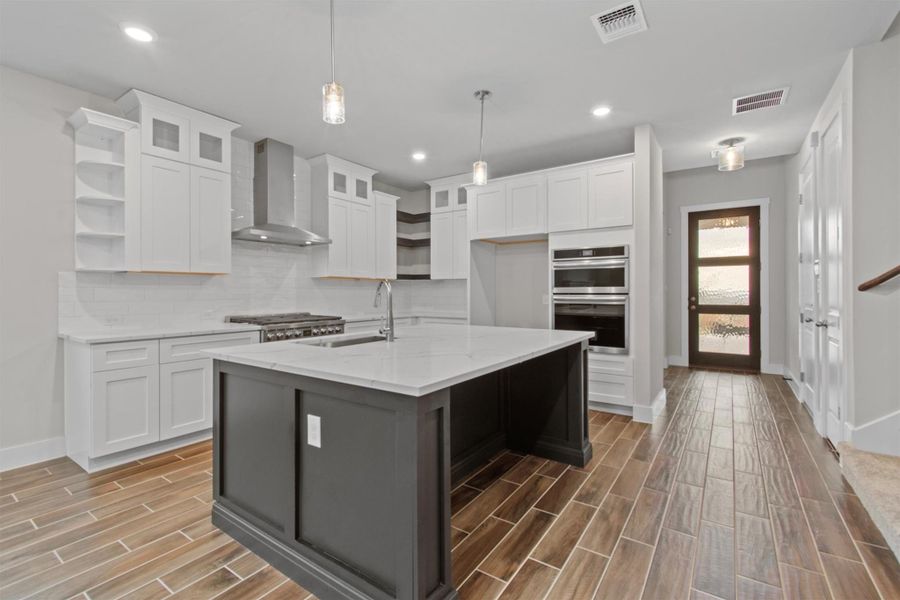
<point>822,324</point>
<point>692,299</point>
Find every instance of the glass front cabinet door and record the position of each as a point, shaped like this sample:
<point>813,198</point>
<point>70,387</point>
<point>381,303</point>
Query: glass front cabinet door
<point>165,134</point>
<point>210,144</point>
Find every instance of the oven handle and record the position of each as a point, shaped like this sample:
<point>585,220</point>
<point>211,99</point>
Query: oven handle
<point>590,299</point>
<point>610,263</point>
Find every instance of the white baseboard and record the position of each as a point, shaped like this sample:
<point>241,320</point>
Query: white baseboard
<point>616,409</point>
<point>879,435</point>
<point>34,452</point>
<point>772,369</point>
<point>793,383</point>
<point>677,361</point>
<point>648,414</point>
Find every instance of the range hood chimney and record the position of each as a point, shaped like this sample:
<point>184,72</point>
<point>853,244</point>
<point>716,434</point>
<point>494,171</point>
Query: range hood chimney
<point>273,199</point>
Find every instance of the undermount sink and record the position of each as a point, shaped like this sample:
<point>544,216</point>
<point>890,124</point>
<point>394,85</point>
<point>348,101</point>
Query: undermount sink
<point>326,343</point>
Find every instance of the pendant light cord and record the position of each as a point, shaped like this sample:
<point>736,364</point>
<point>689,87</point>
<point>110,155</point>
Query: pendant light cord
<point>481,136</point>
<point>332,40</point>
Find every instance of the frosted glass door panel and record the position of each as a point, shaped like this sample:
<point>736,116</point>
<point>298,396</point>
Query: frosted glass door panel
<point>724,285</point>
<point>725,236</point>
<point>725,334</point>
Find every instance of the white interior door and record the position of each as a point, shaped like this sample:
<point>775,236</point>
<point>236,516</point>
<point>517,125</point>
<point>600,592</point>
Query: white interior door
<point>809,290</point>
<point>829,320</point>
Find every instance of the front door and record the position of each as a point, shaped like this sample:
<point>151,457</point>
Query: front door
<point>723,288</point>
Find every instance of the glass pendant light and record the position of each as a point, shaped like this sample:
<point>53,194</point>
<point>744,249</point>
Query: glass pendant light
<point>333,92</point>
<point>479,168</point>
<point>731,154</point>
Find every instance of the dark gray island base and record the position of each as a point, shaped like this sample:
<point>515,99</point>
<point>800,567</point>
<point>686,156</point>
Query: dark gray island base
<point>367,514</point>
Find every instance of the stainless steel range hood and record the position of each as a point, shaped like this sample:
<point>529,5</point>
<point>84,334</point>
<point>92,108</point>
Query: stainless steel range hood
<point>273,199</point>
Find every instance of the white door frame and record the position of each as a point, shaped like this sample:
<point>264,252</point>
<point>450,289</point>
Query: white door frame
<point>763,204</point>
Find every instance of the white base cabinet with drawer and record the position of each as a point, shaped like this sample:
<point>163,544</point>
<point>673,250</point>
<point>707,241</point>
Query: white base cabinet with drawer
<point>129,400</point>
<point>610,382</point>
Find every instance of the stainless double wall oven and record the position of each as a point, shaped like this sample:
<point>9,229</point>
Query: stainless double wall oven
<point>590,293</point>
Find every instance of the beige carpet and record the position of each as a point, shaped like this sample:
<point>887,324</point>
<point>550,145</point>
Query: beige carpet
<point>876,480</point>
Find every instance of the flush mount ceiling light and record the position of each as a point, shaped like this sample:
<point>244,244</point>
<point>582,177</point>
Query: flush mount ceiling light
<point>601,111</point>
<point>333,92</point>
<point>479,168</point>
<point>730,154</point>
<point>138,32</point>
<point>418,156</point>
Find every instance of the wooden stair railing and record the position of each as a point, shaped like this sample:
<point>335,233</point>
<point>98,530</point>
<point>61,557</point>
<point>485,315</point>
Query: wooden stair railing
<point>876,281</point>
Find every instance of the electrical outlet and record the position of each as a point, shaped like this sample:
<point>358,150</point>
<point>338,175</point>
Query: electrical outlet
<point>314,431</point>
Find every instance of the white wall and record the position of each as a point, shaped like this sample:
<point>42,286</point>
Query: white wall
<point>36,241</point>
<point>876,230</point>
<point>648,318</point>
<point>763,178</point>
<point>36,262</point>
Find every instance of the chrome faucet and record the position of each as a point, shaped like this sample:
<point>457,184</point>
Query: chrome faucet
<point>386,330</point>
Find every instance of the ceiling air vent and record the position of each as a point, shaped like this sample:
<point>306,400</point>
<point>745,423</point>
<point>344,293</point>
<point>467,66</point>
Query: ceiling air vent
<point>760,100</point>
<point>620,21</point>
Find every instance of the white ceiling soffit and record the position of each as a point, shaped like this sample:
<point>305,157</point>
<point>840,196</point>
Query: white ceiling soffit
<point>409,70</point>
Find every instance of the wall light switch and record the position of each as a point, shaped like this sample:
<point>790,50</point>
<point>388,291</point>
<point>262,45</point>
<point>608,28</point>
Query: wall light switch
<point>314,431</point>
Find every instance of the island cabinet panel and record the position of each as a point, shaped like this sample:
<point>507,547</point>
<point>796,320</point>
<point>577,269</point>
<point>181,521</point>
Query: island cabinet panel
<point>477,422</point>
<point>362,512</point>
<point>255,450</point>
<point>334,481</point>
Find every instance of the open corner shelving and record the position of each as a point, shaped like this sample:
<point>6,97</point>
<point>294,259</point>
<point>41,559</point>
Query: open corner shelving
<point>106,194</point>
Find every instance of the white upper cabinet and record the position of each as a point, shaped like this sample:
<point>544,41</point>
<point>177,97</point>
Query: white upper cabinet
<point>567,200</point>
<point>593,196</point>
<point>489,206</point>
<point>185,186</point>
<point>165,215</point>
<point>210,221</point>
<point>526,205</point>
<point>448,197</point>
<point>361,223</point>
<point>460,245</point>
<point>610,195</point>
<point>165,134</point>
<point>211,144</point>
<point>362,240</point>
<point>385,235</point>
<point>442,245</point>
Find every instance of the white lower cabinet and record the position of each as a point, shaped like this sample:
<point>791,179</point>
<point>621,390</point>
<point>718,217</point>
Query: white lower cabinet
<point>126,409</point>
<point>610,379</point>
<point>126,400</point>
<point>185,397</point>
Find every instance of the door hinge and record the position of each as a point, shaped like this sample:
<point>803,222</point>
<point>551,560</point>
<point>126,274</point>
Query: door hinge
<point>800,256</point>
<point>802,376</point>
<point>800,198</point>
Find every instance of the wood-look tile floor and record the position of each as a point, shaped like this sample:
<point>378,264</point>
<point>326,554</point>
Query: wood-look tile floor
<point>731,494</point>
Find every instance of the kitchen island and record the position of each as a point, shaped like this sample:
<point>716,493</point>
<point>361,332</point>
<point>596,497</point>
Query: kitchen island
<point>333,458</point>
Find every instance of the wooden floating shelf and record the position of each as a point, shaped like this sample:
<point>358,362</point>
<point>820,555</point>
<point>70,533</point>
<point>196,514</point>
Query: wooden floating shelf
<point>411,218</point>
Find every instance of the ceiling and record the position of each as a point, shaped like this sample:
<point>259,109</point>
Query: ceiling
<point>409,69</point>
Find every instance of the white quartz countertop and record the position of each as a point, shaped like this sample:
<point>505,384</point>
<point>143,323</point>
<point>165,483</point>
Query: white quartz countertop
<point>423,358</point>
<point>101,336</point>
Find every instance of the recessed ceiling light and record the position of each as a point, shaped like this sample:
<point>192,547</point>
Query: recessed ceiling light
<point>138,32</point>
<point>418,156</point>
<point>601,111</point>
